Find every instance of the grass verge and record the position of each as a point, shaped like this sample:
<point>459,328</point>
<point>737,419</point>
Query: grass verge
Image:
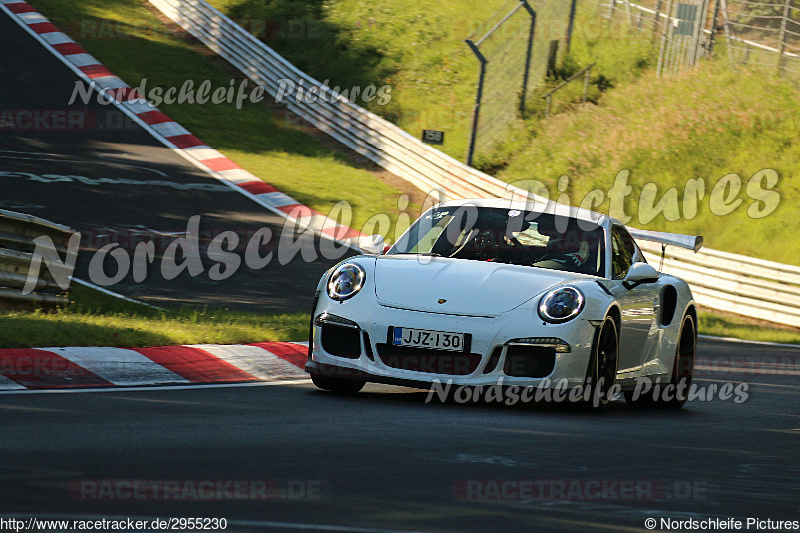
<point>736,327</point>
<point>94,319</point>
<point>714,125</point>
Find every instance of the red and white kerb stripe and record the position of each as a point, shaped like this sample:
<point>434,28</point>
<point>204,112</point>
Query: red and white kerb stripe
<point>169,132</point>
<point>82,367</point>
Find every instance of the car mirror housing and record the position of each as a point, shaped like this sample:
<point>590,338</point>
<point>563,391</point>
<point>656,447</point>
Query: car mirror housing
<point>372,245</point>
<point>640,273</point>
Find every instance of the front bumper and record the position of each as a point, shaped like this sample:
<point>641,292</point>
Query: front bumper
<point>363,350</point>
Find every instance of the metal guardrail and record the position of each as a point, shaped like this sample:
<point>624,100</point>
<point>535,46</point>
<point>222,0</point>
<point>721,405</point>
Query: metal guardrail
<point>718,280</point>
<point>735,283</point>
<point>17,232</point>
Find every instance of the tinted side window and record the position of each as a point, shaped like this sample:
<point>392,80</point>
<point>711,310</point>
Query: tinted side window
<point>622,250</point>
<point>630,244</point>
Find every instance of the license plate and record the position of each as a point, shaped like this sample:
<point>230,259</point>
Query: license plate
<point>423,338</point>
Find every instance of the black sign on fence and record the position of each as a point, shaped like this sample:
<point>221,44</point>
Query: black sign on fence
<point>433,137</point>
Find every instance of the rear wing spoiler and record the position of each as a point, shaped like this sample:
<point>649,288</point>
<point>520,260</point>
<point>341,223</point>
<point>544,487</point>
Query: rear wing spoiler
<point>690,242</point>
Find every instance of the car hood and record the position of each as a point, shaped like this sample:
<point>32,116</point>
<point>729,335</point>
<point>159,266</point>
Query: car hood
<point>464,287</point>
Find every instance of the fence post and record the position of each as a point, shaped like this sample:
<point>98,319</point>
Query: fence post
<point>667,25</point>
<point>571,25</point>
<point>628,12</point>
<point>702,16</point>
<point>712,39</point>
<point>706,14</point>
<point>726,27</point>
<point>655,19</point>
<point>612,6</point>
<point>586,84</point>
<point>476,113</point>
<point>782,36</point>
<point>587,74</point>
<point>528,55</point>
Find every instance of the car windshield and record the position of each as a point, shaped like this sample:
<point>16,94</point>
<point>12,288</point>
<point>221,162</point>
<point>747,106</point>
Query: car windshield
<point>506,236</point>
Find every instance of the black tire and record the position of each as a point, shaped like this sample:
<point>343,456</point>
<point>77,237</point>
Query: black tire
<point>338,385</point>
<point>682,372</point>
<point>602,371</point>
<point>683,369</point>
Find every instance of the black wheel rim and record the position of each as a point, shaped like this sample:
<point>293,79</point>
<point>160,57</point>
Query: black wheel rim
<point>606,360</point>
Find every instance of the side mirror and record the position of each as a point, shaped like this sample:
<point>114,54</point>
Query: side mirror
<point>640,273</point>
<point>372,245</point>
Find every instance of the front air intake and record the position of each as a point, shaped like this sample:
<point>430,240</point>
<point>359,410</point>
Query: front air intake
<point>428,361</point>
<point>340,337</point>
<point>529,361</point>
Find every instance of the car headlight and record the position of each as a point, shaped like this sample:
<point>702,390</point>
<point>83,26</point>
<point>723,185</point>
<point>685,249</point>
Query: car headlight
<point>561,304</point>
<point>346,281</point>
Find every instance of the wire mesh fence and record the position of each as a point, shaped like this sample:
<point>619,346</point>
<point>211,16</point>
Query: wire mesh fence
<point>763,33</point>
<point>504,51</point>
<point>524,40</point>
<point>683,29</point>
<point>516,47</point>
<point>644,15</point>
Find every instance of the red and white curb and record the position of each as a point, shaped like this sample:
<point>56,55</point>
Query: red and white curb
<point>85,367</point>
<point>169,132</point>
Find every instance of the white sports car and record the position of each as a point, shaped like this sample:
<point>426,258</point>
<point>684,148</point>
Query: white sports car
<point>481,292</point>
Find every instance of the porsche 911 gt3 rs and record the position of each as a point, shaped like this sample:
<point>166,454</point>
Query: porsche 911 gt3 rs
<point>485,291</point>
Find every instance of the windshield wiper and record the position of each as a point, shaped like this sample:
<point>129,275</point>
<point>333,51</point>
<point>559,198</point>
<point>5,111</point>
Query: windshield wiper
<point>426,254</point>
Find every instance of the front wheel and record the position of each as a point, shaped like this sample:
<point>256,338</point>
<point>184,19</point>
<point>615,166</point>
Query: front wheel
<point>338,385</point>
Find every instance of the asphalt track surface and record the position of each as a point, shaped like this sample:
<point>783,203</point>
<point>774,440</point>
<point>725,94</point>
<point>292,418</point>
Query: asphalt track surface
<point>39,165</point>
<point>387,461</point>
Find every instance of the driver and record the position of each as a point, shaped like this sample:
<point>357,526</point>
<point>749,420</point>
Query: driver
<point>569,248</point>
